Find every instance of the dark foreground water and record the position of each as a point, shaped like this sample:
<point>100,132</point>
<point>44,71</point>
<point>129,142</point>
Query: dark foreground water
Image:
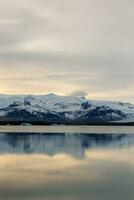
<point>67,166</point>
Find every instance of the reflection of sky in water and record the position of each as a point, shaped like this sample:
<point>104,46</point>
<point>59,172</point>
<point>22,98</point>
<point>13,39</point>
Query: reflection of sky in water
<point>66,167</point>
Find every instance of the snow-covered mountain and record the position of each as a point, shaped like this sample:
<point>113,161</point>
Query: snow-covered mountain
<point>54,109</point>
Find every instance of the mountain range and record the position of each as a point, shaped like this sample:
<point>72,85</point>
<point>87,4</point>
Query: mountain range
<point>55,109</point>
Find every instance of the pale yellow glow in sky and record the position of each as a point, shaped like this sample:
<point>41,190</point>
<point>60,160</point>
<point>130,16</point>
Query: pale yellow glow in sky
<point>65,46</point>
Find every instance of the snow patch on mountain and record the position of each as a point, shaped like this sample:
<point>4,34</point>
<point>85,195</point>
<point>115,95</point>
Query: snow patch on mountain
<point>44,107</point>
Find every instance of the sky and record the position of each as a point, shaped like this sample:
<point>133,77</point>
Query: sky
<point>68,47</point>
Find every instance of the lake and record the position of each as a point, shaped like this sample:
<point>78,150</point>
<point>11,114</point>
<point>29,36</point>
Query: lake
<point>66,163</point>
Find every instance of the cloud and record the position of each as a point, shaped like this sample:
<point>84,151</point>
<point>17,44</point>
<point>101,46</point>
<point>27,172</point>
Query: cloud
<point>85,45</point>
<point>79,93</point>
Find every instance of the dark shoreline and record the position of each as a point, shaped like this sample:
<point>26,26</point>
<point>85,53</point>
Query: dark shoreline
<point>67,124</point>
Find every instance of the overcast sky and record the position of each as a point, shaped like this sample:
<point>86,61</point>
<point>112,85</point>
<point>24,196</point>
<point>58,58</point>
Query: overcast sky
<point>66,46</point>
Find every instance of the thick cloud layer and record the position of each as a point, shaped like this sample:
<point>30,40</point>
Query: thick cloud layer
<point>65,46</point>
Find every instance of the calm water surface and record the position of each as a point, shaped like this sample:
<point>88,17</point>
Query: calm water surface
<point>67,163</point>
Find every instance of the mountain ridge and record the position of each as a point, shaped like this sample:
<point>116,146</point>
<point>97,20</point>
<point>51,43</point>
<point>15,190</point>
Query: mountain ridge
<point>55,109</point>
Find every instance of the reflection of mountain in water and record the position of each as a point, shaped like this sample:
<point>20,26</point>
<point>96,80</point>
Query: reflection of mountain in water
<point>51,144</point>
